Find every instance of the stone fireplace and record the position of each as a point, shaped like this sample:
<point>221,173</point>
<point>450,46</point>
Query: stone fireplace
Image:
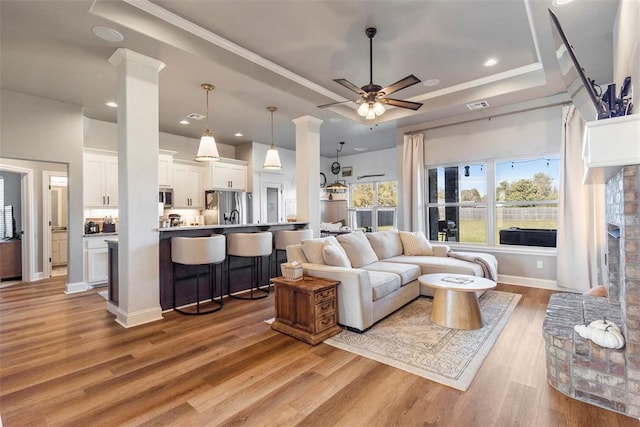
<point>577,367</point>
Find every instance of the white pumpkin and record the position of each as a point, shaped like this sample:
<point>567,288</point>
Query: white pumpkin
<point>604,324</point>
<point>609,337</point>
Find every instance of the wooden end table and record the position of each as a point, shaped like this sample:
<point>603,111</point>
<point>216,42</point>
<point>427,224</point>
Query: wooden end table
<point>306,309</point>
<point>455,302</point>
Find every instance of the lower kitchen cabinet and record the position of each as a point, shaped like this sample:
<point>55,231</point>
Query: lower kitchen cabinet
<point>96,261</point>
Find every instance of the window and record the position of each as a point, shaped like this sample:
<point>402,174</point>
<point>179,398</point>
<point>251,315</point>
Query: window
<point>457,203</point>
<point>525,195</point>
<point>373,205</point>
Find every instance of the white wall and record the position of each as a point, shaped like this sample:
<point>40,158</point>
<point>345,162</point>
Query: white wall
<point>626,50</point>
<point>39,129</point>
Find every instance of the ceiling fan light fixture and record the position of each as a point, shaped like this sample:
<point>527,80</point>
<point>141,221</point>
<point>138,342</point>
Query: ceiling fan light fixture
<point>207,150</point>
<point>371,113</point>
<point>272,159</point>
<point>378,108</point>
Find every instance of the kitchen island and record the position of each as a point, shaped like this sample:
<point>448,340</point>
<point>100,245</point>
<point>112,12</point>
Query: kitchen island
<point>185,293</point>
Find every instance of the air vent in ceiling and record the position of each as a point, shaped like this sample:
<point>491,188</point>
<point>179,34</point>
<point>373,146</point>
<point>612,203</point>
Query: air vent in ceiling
<point>477,105</point>
<point>196,116</point>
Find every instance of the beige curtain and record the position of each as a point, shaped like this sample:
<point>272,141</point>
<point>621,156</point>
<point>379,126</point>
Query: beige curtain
<point>580,207</point>
<point>413,182</point>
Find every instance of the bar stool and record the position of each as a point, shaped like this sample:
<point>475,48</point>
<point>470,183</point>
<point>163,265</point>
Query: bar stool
<point>255,246</point>
<point>284,238</point>
<point>198,251</point>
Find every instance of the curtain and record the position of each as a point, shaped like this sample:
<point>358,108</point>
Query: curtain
<point>413,182</point>
<point>580,207</point>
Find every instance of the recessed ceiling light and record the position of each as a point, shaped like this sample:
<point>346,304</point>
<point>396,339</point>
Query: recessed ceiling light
<point>560,3</point>
<point>490,62</point>
<point>184,122</point>
<point>111,104</point>
<point>431,82</point>
<point>238,134</point>
<point>108,34</point>
<point>335,119</point>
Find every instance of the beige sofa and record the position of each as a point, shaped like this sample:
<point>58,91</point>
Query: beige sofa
<point>378,271</point>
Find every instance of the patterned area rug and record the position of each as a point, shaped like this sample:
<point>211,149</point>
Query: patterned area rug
<point>408,340</point>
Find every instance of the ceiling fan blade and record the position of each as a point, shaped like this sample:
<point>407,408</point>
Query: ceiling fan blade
<point>403,104</point>
<point>400,84</point>
<point>335,103</point>
<point>346,83</point>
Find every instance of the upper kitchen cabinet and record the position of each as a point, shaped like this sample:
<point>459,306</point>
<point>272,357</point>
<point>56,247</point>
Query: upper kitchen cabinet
<point>228,174</point>
<point>188,186</point>
<point>100,179</point>
<point>165,168</point>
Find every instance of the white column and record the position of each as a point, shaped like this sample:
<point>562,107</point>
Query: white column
<point>138,145</point>
<point>308,171</point>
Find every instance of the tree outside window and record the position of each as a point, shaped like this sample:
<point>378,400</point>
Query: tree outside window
<point>373,205</point>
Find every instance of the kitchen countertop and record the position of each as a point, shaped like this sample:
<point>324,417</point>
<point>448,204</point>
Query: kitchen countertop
<point>100,234</point>
<point>266,225</point>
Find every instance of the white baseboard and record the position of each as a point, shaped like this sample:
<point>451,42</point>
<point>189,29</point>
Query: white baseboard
<point>37,276</point>
<point>534,283</point>
<point>112,308</point>
<point>129,320</point>
<point>73,288</point>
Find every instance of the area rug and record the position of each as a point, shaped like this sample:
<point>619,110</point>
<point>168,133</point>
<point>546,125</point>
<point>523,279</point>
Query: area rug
<point>408,340</point>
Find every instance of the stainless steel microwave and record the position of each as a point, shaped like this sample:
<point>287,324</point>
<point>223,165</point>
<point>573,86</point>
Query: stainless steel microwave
<point>166,197</point>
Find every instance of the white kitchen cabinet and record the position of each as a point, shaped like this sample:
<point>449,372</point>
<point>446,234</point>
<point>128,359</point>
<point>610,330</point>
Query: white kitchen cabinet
<point>228,176</point>
<point>100,178</point>
<point>96,267</point>
<point>165,168</point>
<point>188,186</point>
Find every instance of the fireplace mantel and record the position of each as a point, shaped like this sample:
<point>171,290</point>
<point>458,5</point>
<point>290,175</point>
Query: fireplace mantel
<point>610,144</point>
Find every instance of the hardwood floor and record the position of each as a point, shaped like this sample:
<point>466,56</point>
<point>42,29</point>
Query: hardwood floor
<point>64,361</point>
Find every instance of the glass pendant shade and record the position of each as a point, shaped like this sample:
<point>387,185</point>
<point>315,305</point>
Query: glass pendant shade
<point>207,151</point>
<point>378,108</point>
<point>336,188</point>
<point>363,109</point>
<point>272,160</point>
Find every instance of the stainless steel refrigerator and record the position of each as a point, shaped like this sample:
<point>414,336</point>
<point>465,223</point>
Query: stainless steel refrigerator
<point>227,207</point>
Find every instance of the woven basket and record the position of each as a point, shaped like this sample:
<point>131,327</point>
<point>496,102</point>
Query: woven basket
<point>291,273</point>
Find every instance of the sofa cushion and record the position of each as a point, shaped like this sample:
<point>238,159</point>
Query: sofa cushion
<point>358,249</point>
<point>312,248</point>
<point>383,284</point>
<point>335,255</point>
<point>407,272</point>
<point>415,243</point>
<point>385,243</point>
<point>437,264</point>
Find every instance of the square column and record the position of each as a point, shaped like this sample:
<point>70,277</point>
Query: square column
<point>308,171</point>
<point>138,145</point>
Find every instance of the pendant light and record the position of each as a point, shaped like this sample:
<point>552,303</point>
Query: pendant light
<point>272,160</point>
<point>337,187</point>
<point>207,151</point>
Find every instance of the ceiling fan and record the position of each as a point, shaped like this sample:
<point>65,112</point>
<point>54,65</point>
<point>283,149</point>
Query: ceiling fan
<point>372,96</point>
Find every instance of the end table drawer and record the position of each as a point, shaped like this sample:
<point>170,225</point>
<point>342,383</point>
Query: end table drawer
<point>325,322</point>
<point>325,294</point>
<point>325,307</point>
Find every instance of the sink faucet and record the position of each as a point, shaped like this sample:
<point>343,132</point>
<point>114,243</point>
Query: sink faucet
<point>234,216</point>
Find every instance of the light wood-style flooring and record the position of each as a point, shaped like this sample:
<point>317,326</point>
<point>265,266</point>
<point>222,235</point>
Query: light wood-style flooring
<point>64,361</point>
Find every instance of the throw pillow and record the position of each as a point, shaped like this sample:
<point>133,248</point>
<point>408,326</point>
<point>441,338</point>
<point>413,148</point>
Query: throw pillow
<point>334,255</point>
<point>415,243</point>
<point>312,250</point>
<point>358,249</point>
<point>385,244</point>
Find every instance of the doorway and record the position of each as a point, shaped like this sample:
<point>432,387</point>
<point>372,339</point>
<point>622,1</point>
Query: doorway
<point>271,211</point>
<point>55,223</point>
